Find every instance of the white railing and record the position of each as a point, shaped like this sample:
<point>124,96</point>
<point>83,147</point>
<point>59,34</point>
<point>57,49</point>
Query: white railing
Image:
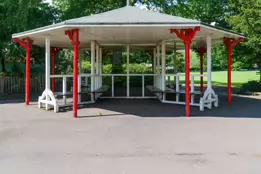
<point>64,83</point>
<point>178,84</point>
<point>128,84</point>
<point>158,82</point>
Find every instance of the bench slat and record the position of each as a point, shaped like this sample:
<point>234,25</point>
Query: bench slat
<point>169,90</point>
<point>99,90</point>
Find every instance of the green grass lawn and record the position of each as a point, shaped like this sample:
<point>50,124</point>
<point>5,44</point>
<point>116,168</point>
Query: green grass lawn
<point>220,78</point>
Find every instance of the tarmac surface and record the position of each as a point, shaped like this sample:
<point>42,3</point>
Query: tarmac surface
<point>117,136</point>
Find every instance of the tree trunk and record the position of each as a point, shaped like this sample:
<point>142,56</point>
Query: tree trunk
<point>2,61</point>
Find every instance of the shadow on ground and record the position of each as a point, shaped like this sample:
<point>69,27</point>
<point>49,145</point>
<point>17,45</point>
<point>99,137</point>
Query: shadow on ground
<point>17,98</point>
<point>242,107</point>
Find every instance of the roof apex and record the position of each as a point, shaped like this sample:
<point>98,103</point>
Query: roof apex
<point>130,15</point>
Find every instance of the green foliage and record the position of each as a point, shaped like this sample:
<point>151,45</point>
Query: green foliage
<point>251,86</point>
<point>243,16</point>
<point>107,69</point>
<point>72,9</point>
<point>246,19</point>
<point>18,16</point>
<point>237,66</point>
<point>194,61</point>
<point>139,68</point>
<point>3,74</point>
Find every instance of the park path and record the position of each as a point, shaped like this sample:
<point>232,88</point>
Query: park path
<point>132,137</point>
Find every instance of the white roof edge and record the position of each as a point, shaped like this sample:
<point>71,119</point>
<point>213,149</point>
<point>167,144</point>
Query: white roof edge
<point>30,32</point>
<point>64,25</point>
<point>49,28</point>
<point>222,30</point>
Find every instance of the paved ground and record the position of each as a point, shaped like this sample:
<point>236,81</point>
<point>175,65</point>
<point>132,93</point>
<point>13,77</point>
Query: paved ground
<point>132,137</point>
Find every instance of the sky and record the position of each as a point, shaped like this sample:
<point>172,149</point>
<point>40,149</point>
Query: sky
<point>140,6</point>
<point>50,1</point>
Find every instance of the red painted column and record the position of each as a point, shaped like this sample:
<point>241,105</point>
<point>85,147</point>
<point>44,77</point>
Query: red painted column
<point>187,35</point>
<point>230,44</point>
<point>27,77</point>
<point>229,74</point>
<point>187,45</point>
<point>201,51</point>
<point>54,53</point>
<point>27,45</point>
<point>74,36</point>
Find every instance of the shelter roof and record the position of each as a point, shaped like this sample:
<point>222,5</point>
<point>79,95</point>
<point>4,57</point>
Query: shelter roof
<point>127,25</point>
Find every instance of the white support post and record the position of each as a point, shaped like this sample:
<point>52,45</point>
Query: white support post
<point>97,66</point>
<point>64,89</point>
<point>128,70</point>
<point>158,66</point>
<point>92,68</point>
<point>209,68</point>
<point>100,68</point>
<point>175,60</point>
<point>209,94</point>
<point>158,59</point>
<point>154,65</point>
<point>177,87</point>
<point>112,86</point>
<point>79,77</point>
<point>143,84</point>
<point>163,67</point>
<point>47,68</point>
<point>86,80</point>
<point>192,90</point>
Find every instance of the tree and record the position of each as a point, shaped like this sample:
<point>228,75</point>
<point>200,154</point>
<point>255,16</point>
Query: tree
<point>247,19</point>
<point>17,16</point>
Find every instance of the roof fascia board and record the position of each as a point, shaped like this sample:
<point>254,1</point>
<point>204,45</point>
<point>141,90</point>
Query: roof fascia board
<point>39,30</point>
<point>222,30</point>
<point>64,25</point>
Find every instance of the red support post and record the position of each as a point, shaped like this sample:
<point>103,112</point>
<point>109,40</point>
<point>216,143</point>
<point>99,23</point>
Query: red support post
<point>201,51</point>
<point>26,43</point>
<point>105,53</point>
<point>230,44</point>
<point>187,35</point>
<point>149,52</point>
<point>74,37</point>
<point>54,53</point>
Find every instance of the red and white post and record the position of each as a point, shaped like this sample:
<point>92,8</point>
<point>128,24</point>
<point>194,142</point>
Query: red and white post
<point>187,35</point>
<point>74,37</point>
<point>230,44</point>
<point>27,45</point>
